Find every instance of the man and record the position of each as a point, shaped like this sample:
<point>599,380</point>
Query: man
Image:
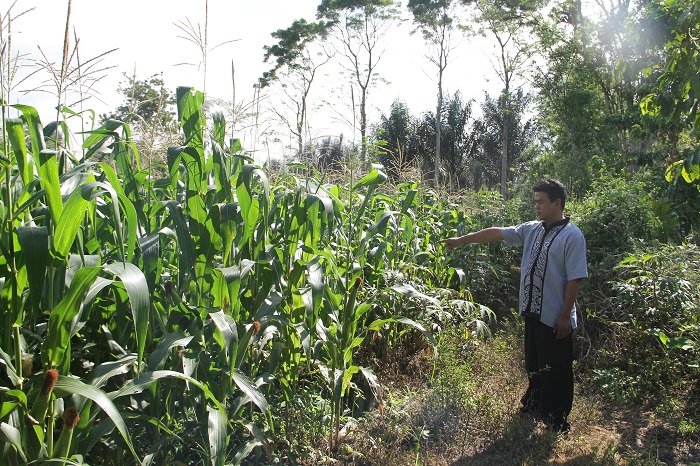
<point>553,264</point>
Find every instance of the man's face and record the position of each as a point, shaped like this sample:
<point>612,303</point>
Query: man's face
<point>546,209</point>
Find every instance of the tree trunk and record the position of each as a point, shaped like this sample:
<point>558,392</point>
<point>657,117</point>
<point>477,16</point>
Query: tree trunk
<point>504,156</point>
<point>438,131</point>
<point>363,125</point>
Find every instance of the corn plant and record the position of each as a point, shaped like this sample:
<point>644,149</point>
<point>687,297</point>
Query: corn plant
<point>49,207</point>
<point>172,314</point>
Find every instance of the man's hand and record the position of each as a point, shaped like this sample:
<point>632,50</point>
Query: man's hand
<point>562,327</point>
<point>451,243</point>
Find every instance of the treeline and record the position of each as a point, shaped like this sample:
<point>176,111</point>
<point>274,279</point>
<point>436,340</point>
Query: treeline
<point>609,89</point>
<point>585,91</point>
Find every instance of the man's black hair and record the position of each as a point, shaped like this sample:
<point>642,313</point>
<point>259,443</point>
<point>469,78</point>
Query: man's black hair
<point>554,189</point>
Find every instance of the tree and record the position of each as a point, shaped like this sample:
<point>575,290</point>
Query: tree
<point>359,26</point>
<point>573,119</point>
<point>146,102</point>
<point>484,167</point>
<point>597,72</point>
<point>458,140</point>
<point>621,51</point>
<point>397,131</point>
<point>675,101</point>
<point>332,153</point>
<point>299,67</point>
<point>508,23</point>
<point>435,20</point>
<point>148,108</point>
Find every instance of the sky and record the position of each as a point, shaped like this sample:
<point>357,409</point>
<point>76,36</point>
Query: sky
<point>147,40</point>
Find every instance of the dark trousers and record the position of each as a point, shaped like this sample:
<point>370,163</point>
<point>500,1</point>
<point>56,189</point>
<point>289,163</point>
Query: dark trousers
<point>549,366</point>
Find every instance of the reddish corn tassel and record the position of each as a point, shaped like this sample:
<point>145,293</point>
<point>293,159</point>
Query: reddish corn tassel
<point>50,379</point>
<point>70,420</point>
<point>41,404</point>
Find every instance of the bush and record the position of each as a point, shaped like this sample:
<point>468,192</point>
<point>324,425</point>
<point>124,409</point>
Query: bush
<point>616,212</point>
<point>653,321</point>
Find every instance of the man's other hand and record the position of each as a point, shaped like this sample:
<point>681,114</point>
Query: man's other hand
<point>562,327</point>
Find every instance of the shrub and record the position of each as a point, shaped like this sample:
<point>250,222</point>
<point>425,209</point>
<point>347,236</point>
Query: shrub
<point>653,322</point>
<point>616,212</point>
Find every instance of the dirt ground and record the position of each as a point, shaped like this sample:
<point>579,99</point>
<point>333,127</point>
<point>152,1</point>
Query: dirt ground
<point>471,418</point>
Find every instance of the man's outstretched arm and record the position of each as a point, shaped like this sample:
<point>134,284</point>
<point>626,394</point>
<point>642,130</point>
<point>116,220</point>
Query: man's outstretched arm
<point>487,235</point>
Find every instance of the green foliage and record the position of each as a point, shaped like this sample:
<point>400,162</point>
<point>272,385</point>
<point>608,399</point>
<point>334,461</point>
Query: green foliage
<point>486,271</point>
<point>410,141</point>
<point>433,18</point>
<point>653,309</point>
<point>675,99</point>
<point>291,45</point>
<point>146,102</point>
<point>598,71</point>
<point>484,165</point>
<point>208,280</point>
<point>331,8</point>
<point>617,212</point>
<point>397,133</point>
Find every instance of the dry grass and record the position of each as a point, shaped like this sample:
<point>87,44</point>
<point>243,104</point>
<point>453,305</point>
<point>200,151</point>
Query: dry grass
<point>466,415</point>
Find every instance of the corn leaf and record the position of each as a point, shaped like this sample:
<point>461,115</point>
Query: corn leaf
<point>137,288</point>
<point>226,329</point>
<point>47,166</point>
<point>223,218</point>
<point>191,117</point>
<point>15,134</point>
<point>219,120</point>
<point>155,449</point>
<point>105,371</point>
<point>221,173</point>
<point>250,390</point>
<point>410,292</point>
<point>12,436</point>
<point>105,133</point>
<point>377,324</point>
<point>6,360</point>
<point>260,437</point>
<point>99,188</point>
<point>66,386</point>
<point>35,248</point>
<point>127,206</point>
<point>145,379</point>
<point>373,178</point>
<point>69,223</point>
<point>57,341</point>
<point>217,428</point>
<point>36,133</point>
<point>150,257</point>
<point>250,203</point>
<point>8,406</point>
<point>184,238</point>
<point>168,341</point>
<point>244,450</point>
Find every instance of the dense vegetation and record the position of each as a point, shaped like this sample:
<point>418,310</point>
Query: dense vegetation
<point>190,306</point>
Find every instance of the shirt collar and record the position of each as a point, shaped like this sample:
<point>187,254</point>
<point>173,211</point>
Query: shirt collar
<point>561,222</point>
